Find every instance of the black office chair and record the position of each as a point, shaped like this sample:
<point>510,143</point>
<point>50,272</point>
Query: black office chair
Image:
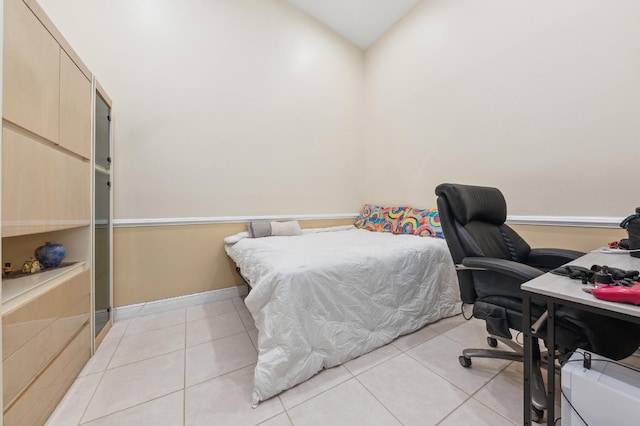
<point>492,261</point>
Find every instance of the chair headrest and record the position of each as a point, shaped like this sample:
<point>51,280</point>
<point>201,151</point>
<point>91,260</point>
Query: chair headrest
<point>470,202</point>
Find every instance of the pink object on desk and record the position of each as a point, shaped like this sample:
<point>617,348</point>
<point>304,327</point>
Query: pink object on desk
<point>619,293</point>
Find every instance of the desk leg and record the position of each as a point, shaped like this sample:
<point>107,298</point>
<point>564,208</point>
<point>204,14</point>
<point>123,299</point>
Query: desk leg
<point>528,356</point>
<point>551,362</point>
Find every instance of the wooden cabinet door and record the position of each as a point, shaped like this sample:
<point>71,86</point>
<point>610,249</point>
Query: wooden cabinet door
<point>43,188</point>
<point>75,108</point>
<point>31,72</point>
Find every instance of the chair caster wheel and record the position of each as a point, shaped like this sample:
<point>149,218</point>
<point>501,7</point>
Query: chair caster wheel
<point>464,361</point>
<point>492,342</point>
<point>536,415</point>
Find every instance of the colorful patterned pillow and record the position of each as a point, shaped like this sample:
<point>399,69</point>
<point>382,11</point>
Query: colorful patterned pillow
<point>378,218</point>
<point>425,223</point>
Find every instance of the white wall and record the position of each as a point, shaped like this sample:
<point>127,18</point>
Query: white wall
<point>223,107</point>
<point>540,98</point>
<point>248,107</point>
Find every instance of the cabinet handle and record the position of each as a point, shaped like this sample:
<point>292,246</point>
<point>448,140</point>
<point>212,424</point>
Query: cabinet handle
<point>108,159</point>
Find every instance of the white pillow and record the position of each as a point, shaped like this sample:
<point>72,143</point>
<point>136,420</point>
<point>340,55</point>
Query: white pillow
<point>285,228</point>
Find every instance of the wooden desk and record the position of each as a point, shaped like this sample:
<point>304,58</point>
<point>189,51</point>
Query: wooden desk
<point>558,290</point>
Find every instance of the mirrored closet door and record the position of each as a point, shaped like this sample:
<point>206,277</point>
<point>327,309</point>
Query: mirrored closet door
<point>102,227</point>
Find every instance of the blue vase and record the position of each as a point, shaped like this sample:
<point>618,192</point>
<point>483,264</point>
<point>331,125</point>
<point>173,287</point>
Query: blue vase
<point>51,254</point>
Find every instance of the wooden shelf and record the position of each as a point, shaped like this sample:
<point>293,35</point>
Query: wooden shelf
<point>19,274</point>
<point>14,288</point>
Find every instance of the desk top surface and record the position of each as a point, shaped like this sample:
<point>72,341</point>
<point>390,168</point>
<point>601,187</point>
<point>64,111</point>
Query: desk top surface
<point>564,288</point>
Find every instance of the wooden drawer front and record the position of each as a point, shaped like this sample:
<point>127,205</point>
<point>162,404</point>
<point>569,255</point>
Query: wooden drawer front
<point>37,403</point>
<point>24,323</point>
<point>26,363</point>
<point>75,108</point>
<point>31,72</point>
<point>43,189</point>
<point>46,324</point>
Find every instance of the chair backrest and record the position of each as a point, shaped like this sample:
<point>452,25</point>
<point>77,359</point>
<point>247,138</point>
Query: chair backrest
<point>472,219</point>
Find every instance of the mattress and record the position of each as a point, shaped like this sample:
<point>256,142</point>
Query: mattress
<point>332,294</point>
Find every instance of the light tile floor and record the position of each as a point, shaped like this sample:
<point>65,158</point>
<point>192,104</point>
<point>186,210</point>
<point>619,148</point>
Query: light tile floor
<point>194,366</point>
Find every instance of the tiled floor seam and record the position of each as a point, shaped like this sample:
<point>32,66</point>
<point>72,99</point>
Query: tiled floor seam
<point>209,316</point>
<point>490,408</point>
<point>273,417</point>
<point>214,378</point>
<point>472,396</point>
<point>478,401</point>
<point>376,398</point>
<point>457,387</point>
<point>102,376</point>
<point>128,408</point>
<point>318,394</point>
<point>184,375</point>
<point>487,384</point>
<point>111,357</point>
<point>102,373</point>
<point>140,360</point>
<point>247,331</point>
<point>353,376</point>
<point>213,340</point>
<point>455,409</point>
<point>443,377</point>
<point>448,381</point>
<point>84,412</point>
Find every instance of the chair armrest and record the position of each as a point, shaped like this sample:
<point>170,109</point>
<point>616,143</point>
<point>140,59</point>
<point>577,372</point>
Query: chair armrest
<point>551,258</point>
<point>513,269</point>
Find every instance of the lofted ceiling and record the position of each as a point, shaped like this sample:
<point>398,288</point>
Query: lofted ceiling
<point>360,21</point>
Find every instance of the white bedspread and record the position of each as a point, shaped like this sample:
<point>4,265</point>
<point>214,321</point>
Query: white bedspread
<point>327,296</point>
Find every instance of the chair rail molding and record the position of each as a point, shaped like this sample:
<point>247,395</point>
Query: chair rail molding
<point>176,221</point>
<point>578,221</point>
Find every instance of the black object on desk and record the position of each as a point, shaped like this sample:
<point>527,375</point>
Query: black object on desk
<point>632,225</point>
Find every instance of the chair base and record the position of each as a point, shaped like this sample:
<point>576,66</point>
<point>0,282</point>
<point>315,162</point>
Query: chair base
<point>538,392</point>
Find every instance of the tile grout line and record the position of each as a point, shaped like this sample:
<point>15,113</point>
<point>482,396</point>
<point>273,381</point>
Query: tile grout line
<point>354,376</point>
<point>118,341</point>
<point>469,396</point>
<point>371,393</point>
<point>486,384</point>
<point>126,365</point>
<point>217,377</point>
<point>102,373</point>
<point>285,410</point>
<point>90,399</point>
<point>314,396</point>
<point>128,408</point>
<point>184,373</point>
<point>142,359</point>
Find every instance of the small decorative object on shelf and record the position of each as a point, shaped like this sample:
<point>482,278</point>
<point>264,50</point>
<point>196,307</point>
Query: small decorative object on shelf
<point>7,268</point>
<point>31,266</point>
<point>51,254</point>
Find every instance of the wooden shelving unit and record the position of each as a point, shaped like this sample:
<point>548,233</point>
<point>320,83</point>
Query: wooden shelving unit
<point>46,196</point>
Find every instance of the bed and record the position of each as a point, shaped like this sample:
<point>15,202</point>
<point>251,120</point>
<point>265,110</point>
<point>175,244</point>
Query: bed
<point>330,295</point>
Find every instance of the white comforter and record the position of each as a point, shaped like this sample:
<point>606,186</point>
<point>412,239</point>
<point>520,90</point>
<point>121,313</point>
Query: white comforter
<point>333,294</point>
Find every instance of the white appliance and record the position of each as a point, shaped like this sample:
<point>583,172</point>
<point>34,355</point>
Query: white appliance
<point>606,394</point>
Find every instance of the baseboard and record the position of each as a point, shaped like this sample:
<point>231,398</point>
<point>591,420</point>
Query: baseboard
<point>157,306</point>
